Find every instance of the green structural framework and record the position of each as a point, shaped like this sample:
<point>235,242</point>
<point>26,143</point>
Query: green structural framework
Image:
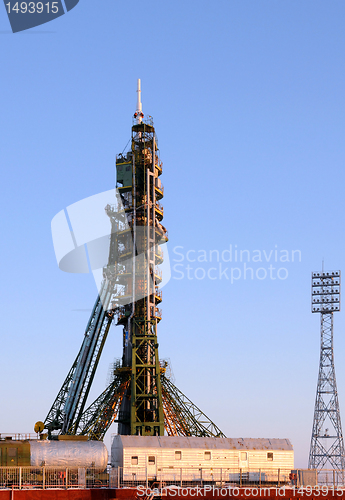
<point>140,396</point>
<point>137,249</point>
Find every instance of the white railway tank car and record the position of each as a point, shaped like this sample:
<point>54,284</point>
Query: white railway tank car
<point>69,454</point>
<point>166,457</point>
<point>62,453</point>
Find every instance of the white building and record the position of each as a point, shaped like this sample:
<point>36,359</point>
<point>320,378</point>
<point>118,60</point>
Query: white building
<point>169,455</point>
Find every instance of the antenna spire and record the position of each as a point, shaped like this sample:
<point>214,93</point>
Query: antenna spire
<point>139,115</point>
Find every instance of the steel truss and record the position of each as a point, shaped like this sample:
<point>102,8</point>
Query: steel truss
<point>69,404</point>
<point>99,416</point>
<point>327,445</point>
<point>140,398</point>
<point>181,416</point>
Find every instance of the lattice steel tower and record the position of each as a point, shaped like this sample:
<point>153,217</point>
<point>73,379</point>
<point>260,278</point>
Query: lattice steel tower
<point>140,396</point>
<point>327,445</point>
<point>138,255</point>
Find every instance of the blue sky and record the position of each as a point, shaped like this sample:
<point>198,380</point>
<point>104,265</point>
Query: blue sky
<point>248,103</point>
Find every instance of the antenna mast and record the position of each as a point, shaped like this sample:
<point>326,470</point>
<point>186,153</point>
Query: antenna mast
<point>139,115</point>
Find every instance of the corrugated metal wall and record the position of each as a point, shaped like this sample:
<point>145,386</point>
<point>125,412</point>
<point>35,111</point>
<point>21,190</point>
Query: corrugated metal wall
<point>198,456</point>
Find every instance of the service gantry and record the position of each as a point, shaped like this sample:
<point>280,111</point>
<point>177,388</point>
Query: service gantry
<point>137,253</point>
<point>140,397</point>
<point>327,445</point>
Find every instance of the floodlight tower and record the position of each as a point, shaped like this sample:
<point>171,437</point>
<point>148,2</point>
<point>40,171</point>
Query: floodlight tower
<point>327,445</point>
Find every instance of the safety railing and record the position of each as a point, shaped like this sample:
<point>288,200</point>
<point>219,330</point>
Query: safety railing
<point>159,253</point>
<point>331,477</point>
<point>20,436</point>
<point>158,273</point>
<point>48,477</point>
<point>159,207</point>
<point>152,477</point>
<point>148,120</point>
<point>195,476</point>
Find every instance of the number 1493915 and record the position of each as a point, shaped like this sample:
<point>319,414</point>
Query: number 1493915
<point>33,7</point>
<point>319,491</point>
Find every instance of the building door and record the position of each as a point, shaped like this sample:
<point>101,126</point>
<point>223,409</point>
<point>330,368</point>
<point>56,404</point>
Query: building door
<point>151,467</point>
<point>243,460</point>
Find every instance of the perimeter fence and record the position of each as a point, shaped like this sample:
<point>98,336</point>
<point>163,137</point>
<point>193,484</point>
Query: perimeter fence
<point>194,476</point>
<point>49,477</point>
<point>151,477</point>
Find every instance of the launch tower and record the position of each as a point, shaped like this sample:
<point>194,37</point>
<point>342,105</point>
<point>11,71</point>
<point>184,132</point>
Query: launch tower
<point>137,253</point>
<point>140,396</point>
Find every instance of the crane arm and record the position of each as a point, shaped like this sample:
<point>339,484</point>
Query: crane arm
<point>68,406</point>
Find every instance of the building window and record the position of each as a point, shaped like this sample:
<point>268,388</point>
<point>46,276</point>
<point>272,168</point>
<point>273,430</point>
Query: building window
<point>134,460</point>
<point>207,455</point>
<point>270,457</point>
<point>151,460</point>
<point>119,168</point>
<point>244,457</point>
<point>128,167</point>
<point>178,455</point>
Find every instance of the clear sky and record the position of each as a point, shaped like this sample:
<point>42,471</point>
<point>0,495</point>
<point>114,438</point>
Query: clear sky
<point>248,103</point>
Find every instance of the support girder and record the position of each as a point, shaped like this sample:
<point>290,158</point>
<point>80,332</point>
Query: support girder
<point>181,416</point>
